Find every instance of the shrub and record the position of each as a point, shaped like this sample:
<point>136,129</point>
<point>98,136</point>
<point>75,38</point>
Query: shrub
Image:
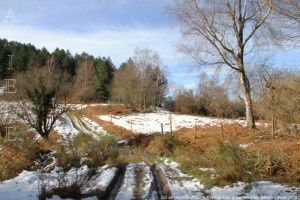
<point>40,91</point>
<point>98,152</point>
<point>224,158</point>
<point>230,155</point>
<point>104,151</point>
<point>171,142</point>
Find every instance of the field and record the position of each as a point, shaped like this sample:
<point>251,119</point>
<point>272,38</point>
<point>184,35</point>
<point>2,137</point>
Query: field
<point>110,152</point>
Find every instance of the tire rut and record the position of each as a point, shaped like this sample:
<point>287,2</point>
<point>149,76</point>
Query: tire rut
<point>115,185</point>
<point>160,180</point>
<point>163,189</point>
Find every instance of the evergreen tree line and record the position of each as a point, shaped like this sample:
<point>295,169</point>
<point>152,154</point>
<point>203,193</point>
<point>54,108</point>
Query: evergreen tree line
<point>27,56</point>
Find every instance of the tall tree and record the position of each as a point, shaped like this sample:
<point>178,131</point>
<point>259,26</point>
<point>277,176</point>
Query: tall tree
<point>104,73</point>
<point>140,81</point>
<point>65,61</point>
<point>39,96</point>
<point>221,32</point>
<point>125,85</point>
<point>84,85</point>
<point>148,64</point>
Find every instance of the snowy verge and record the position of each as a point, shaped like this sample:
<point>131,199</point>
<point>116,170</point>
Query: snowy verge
<point>184,186</point>
<point>28,184</point>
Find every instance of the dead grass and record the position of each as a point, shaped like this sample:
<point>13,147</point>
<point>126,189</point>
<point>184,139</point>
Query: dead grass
<point>219,148</point>
<point>113,109</point>
<point>16,156</point>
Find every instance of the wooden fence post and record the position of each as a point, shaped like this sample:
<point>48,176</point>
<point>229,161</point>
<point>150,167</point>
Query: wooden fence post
<point>170,121</point>
<point>162,128</point>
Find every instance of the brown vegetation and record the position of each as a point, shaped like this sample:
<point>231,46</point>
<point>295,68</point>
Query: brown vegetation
<point>211,98</point>
<point>16,156</point>
<point>113,109</point>
<point>97,153</point>
<point>218,148</point>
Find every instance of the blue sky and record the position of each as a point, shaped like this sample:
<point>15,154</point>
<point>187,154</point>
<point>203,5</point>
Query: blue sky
<point>104,28</point>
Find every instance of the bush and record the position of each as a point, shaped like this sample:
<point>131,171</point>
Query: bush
<point>224,159</point>
<point>98,152</point>
<point>104,151</point>
<point>171,142</point>
<point>230,155</point>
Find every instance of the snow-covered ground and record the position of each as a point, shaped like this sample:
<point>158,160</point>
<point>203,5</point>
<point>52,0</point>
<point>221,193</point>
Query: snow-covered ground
<point>65,128</point>
<point>70,128</point>
<point>93,126</point>
<point>256,190</point>
<point>138,175</point>
<point>25,186</point>
<point>9,110</point>
<point>82,106</point>
<point>184,186</point>
<point>28,184</point>
<point>150,123</point>
<point>127,190</point>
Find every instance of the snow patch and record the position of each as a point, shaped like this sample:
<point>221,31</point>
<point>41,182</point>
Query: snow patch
<point>182,188</point>
<point>28,184</point>
<point>150,123</point>
<point>65,128</point>
<point>244,146</point>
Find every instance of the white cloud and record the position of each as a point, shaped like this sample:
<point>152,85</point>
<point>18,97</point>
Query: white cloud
<point>191,86</point>
<point>118,44</point>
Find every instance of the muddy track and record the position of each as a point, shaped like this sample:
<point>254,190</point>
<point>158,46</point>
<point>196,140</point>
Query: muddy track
<point>160,180</point>
<point>161,183</point>
<point>158,186</point>
<point>113,188</point>
<point>158,189</point>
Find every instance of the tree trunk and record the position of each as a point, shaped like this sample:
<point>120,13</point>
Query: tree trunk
<point>247,99</point>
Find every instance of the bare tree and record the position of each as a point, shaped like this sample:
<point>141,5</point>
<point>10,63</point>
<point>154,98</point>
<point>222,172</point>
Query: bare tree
<point>185,101</point>
<point>279,99</point>
<point>289,9</point>
<point>222,32</point>
<point>148,64</point>
<point>287,18</point>
<point>39,96</point>
<point>84,85</point>
<point>125,86</point>
<point>212,98</point>
<point>140,81</point>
